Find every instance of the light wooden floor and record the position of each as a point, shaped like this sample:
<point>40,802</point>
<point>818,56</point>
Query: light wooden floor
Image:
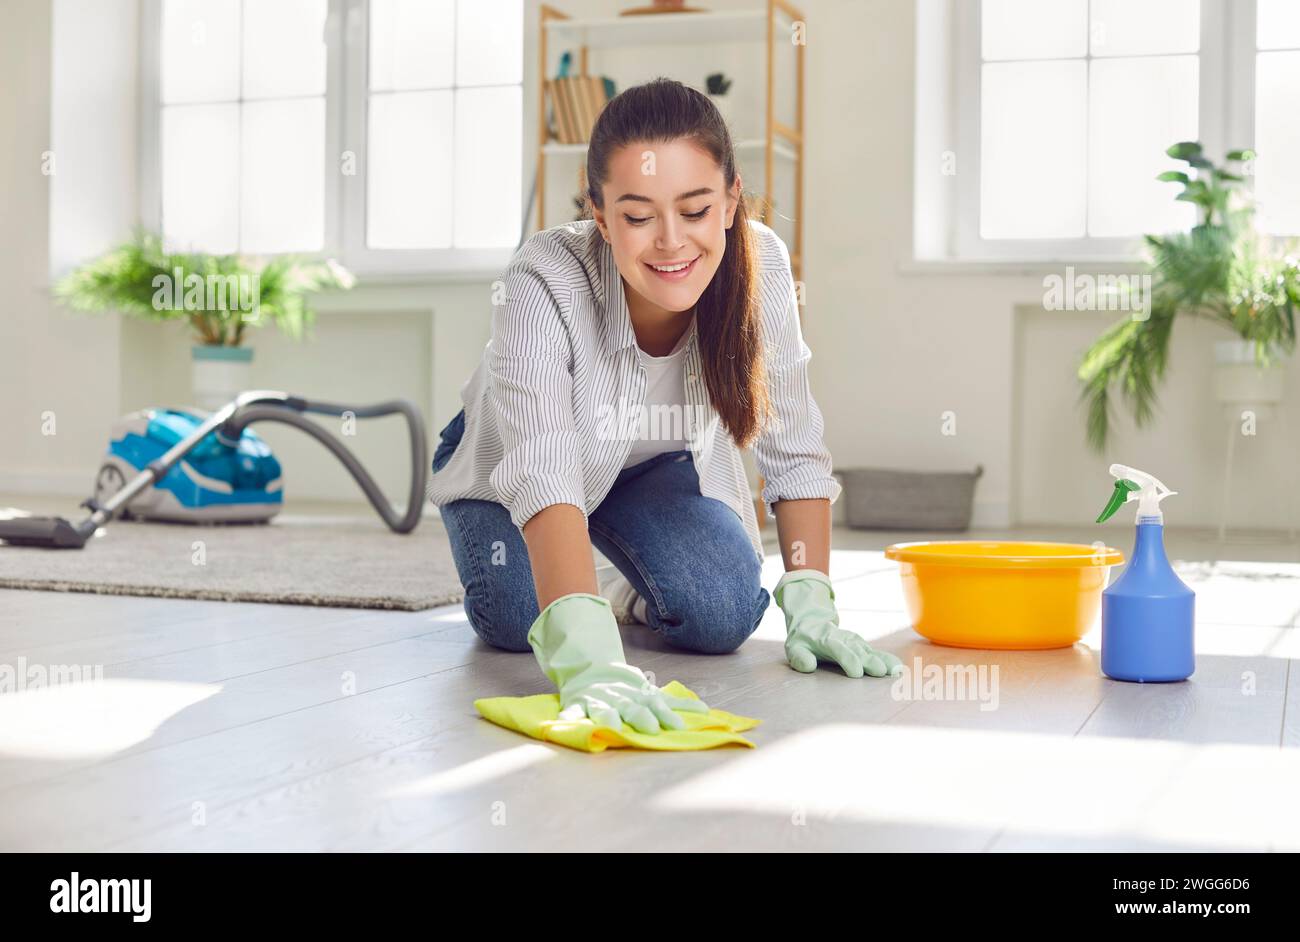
<point>240,726</point>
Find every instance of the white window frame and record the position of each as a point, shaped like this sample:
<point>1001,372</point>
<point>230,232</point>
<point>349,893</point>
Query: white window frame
<point>1226,106</point>
<point>346,96</point>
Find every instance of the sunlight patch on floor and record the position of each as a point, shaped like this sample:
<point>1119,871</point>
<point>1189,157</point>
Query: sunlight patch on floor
<point>1029,783</point>
<point>480,771</point>
<point>91,719</point>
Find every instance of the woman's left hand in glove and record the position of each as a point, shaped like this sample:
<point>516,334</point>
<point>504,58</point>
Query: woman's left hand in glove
<point>813,633</point>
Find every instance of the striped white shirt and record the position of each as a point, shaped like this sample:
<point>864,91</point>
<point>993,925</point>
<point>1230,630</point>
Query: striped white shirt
<point>551,410</point>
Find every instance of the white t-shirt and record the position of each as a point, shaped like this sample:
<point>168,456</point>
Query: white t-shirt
<point>661,424</point>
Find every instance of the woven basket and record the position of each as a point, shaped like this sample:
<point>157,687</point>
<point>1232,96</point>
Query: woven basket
<point>885,499</point>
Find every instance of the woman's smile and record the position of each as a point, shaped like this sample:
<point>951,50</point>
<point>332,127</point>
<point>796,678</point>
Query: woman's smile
<point>674,271</point>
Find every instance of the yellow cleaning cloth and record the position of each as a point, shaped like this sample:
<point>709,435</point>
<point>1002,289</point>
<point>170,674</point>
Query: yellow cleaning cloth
<point>538,717</point>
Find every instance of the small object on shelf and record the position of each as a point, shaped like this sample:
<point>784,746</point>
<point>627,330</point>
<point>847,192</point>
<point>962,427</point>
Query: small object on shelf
<point>663,6</point>
<point>558,127</point>
<point>717,85</point>
<point>580,203</point>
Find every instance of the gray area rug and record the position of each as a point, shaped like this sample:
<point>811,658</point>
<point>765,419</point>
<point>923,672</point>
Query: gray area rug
<point>350,562</point>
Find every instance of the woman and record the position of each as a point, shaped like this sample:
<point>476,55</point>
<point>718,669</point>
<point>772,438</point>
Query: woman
<point>632,356</point>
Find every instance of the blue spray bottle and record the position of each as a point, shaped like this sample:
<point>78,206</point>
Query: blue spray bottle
<point>1148,615</point>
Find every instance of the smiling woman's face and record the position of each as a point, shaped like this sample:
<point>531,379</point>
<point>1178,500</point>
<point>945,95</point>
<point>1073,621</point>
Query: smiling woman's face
<point>666,215</point>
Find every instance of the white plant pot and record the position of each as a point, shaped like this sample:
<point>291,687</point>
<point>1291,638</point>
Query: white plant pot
<point>1239,381</point>
<point>219,374</point>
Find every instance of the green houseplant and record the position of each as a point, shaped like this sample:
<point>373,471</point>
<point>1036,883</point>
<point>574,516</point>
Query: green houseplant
<point>221,297</point>
<point>1221,269</point>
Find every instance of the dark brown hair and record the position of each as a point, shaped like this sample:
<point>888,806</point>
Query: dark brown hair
<point>727,316</point>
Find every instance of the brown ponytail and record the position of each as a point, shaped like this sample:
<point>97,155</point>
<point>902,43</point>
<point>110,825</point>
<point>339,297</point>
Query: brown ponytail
<point>728,314</point>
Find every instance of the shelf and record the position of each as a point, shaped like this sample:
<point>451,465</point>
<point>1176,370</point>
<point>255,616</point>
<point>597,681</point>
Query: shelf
<point>779,148</point>
<point>676,28</point>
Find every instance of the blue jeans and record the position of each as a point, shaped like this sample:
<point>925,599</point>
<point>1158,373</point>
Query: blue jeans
<point>687,555</point>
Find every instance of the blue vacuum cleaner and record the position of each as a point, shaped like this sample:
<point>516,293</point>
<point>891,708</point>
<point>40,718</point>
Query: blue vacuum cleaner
<point>193,467</point>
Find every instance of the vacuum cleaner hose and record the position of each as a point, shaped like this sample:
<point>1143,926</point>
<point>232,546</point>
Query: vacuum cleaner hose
<point>289,413</point>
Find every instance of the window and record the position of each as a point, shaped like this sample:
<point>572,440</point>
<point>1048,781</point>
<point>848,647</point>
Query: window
<point>1052,117</point>
<point>1277,123</point>
<point>1078,100</point>
<point>242,125</point>
<point>386,132</point>
<point>445,123</point>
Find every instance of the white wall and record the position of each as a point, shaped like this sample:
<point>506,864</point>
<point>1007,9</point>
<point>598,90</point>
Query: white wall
<point>59,371</point>
<point>893,352</point>
<point>1062,482</point>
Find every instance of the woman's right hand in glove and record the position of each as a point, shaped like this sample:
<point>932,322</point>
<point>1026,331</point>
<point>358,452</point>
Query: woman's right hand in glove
<point>577,643</point>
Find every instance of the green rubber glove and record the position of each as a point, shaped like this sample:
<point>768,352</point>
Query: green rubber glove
<point>577,643</point>
<point>813,633</point>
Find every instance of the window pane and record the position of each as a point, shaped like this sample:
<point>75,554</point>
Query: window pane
<point>1033,149</point>
<point>200,50</point>
<point>408,182</point>
<point>1034,29</point>
<point>489,128</point>
<point>411,44</point>
<point>200,177</point>
<point>284,48</point>
<point>489,42</point>
<point>1136,109</point>
<point>283,176</point>
<point>1277,24</point>
<point>1277,142</point>
<point>1149,27</point>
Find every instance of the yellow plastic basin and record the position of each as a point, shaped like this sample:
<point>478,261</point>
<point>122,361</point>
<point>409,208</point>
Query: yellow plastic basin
<point>1003,595</point>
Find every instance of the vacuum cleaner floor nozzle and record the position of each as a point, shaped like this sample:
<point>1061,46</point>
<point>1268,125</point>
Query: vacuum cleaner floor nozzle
<point>51,532</point>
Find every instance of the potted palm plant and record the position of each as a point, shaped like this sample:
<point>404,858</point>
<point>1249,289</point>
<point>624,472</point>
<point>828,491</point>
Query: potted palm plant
<point>221,297</point>
<point>1221,269</point>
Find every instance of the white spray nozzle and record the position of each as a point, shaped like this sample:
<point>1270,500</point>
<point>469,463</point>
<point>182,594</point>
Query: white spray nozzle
<point>1149,492</point>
